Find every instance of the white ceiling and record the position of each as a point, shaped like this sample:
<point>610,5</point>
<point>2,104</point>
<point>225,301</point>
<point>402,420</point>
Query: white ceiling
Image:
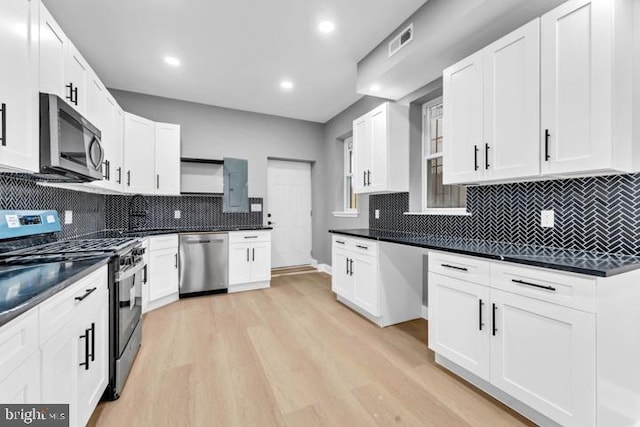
<point>234,53</point>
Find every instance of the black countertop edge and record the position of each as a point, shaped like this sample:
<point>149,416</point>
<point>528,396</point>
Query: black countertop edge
<point>611,265</point>
<point>159,232</point>
<point>7,316</point>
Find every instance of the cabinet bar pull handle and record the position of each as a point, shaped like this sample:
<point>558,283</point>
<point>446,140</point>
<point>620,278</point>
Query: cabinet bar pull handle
<point>522,282</point>
<point>158,181</point>
<point>70,96</point>
<point>351,266</point>
<point>86,294</point>
<point>250,237</point>
<point>145,279</point>
<point>480,305</point>
<point>347,259</point>
<point>253,254</point>
<point>86,349</point>
<point>128,178</point>
<point>364,178</point>
<point>368,177</point>
<point>247,254</point>
<point>455,267</point>
<point>547,135</point>
<point>119,175</point>
<point>4,125</point>
<point>362,247</point>
<point>475,157</point>
<point>176,258</point>
<point>486,156</point>
<point>493,319</point>
<point>339,241</point>
<point>93,342</point>
<point>75,96</point>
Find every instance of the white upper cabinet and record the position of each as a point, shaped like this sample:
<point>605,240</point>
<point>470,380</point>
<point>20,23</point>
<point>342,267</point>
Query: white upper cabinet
<point>76,76</point>
<point>19,113</point>
<point>586,74</point>
<point>139,154</point>
<point>491,111</point>
<point>96,98</point>
<point>111,124</point>
<point>53,48</point>
<point>381,150</point>
<point>167,159</point>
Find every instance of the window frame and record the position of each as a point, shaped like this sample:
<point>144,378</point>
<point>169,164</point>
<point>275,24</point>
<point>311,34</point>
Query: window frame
<point>426,156</point>
<point>347,211</point>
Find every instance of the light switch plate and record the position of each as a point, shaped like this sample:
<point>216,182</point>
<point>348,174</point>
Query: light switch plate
<point>547,219</point>
<point>68,217</point>
<point>177,214</point>
<point>256,207</point>
<point>377,213</point>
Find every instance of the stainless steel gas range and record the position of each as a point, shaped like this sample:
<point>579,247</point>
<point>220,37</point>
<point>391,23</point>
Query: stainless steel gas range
<point>36,242</point>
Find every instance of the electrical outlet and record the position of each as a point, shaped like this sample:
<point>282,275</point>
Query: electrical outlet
<point>68,217</point>
<point>547,219</point>
<point>177,214</point>
<point>377,213</point>
<point>256,207</point>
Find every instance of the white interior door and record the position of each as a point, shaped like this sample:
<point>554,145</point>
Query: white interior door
<point>289,204</point>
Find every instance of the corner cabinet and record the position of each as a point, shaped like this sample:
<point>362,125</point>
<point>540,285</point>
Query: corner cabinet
<point>167,140</point>
<point>378,280</point>
<point>491,111</point>
<point>249,260</point>
<point>381,150</point>
<point>545,342</point>
<point>139,155</point>
<point>19,103</point>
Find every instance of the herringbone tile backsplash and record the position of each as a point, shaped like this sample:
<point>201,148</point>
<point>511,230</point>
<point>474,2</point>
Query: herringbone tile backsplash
<point>597,214</point>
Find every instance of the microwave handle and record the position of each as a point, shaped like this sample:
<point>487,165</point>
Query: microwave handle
<point>96,163</point>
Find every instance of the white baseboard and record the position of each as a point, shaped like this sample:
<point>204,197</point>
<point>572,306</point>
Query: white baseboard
<point>324,268</point>
<point>425,312</point>
<point>314,262</point>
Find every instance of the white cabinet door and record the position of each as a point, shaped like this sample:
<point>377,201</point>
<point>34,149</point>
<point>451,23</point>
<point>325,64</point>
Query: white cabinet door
<point>167,166</point>
<point>96,96</point>
<point>261,261</point>
<point>23,384</point>
<point>239,264</point>
<point>463,154</point>
<point>362,152</point>
<point>366,291</point>
<point>163,273</point>
<point>76,74</point>
<point>544,355</point>
<point>53,48</point>
<point>19,112</point>
<point>112,144</point>
<point>144,289</point>
<point>459,323</point>
<point>341,277</point>
<point>93,381</point>
<point>378,150</point>
<point>139,146</point>
<point>512,105</point>
<point>117,148</point>
<point>59,362</point>
<point>576,86</point>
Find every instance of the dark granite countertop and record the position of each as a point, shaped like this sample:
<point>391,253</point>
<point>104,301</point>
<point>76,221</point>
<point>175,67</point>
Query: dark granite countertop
<point>583,262</point>
<point>23,287</point>
<point>161,231</point>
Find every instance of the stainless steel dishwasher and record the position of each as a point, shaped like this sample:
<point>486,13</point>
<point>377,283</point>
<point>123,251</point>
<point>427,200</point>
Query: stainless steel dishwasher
<point>204,263</point>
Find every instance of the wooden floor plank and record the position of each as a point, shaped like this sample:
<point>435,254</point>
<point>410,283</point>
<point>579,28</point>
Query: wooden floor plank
<point>290,355</point>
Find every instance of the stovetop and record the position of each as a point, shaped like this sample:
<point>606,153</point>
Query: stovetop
<point>86,245</point>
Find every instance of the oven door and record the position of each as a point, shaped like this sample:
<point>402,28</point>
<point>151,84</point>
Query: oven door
<point>129,302</point>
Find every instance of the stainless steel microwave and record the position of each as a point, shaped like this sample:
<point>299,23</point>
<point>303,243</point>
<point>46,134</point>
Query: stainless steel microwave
<point>70,146</point>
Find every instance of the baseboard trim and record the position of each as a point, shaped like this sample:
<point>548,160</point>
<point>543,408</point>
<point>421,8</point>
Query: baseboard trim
<point>425,312</point>
<point>324,268</point>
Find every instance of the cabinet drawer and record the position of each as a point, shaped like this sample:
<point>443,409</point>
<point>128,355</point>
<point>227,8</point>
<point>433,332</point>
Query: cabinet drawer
<point>362,246</point>
<point>163,242</point>
<point>61,308</point>
<point>560,288</point>
<point>249,236</point>
<point>461,267</point>
<point>18,339</point>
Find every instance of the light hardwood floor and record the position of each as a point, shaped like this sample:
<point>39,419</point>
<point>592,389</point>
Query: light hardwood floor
<point>290,356</point>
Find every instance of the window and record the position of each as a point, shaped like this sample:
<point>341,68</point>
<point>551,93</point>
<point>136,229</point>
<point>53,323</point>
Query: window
<point>350,202</point>
<point>436,197</point>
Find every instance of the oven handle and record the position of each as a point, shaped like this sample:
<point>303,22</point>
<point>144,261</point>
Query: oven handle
<point>136,268</point>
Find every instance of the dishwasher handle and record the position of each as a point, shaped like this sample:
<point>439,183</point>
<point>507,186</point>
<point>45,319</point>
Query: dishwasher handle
<point>196,242</point>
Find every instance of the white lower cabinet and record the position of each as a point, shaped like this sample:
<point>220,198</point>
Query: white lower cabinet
<point>23,384</point>
<point>519,330</point>
<point>383,282</point>
<point>163,272</point>
<point>249,260</point>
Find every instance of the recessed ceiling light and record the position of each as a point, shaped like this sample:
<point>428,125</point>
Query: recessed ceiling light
<point>326,27</point>
<point>172,61</point>
<point>374,88</point>
<point>286,84</point>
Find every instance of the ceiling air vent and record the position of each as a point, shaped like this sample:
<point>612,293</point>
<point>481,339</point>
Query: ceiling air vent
<point>401,40</point>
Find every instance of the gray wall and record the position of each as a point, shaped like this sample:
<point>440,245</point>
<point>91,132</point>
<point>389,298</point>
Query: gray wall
<point>216,132</point>
<point>331,168</point>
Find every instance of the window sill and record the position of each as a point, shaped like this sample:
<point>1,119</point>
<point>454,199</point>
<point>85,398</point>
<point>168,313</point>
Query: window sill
<point>346,214</point>
<point>442,211</point>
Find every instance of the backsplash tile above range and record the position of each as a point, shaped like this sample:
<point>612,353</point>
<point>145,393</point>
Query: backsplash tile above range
<point>596,214</point>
